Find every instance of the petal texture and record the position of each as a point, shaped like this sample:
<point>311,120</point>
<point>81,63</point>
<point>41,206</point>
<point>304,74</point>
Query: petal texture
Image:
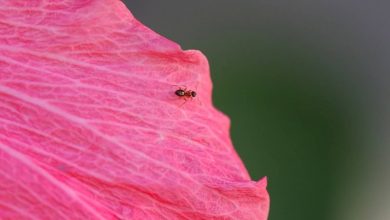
<point>91,128</point>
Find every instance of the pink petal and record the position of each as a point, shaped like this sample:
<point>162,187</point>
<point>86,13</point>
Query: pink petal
<point>90,127</point>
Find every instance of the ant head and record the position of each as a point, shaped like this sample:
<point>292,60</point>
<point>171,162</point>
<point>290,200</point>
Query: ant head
<point>193,93</point>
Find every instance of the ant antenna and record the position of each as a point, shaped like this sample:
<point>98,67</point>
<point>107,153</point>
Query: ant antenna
<point>196,88</point>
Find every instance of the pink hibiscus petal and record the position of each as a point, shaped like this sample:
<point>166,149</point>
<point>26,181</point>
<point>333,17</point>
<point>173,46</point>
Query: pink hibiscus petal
<point>91,128</point>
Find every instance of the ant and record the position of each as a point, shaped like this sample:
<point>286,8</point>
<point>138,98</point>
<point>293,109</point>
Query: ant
<point>185,94</point>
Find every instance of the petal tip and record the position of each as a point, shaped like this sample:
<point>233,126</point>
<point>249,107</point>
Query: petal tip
<point>262,183</point>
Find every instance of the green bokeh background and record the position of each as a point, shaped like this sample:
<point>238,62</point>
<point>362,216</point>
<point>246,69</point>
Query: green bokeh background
<point>285,124</point>
<point>292,78</point>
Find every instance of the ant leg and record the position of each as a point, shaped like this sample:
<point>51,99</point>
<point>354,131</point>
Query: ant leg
<point>185,100</point>
<point>200,102</point>
<point>180,86</point>
<point>197,99</point>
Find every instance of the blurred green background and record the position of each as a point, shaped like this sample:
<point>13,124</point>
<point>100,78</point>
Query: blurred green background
<point>305,84</point>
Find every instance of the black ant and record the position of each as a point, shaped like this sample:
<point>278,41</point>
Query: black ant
<point>185,94</point>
